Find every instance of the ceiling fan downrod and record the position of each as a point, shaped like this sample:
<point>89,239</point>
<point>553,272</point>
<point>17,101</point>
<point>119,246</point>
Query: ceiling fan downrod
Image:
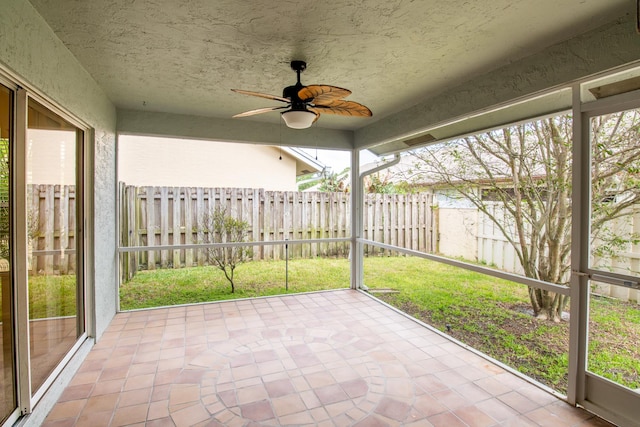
<point>298,67</point>
<point>291,92</point>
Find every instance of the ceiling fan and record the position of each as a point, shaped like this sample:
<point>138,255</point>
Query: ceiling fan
<point>304,104</point>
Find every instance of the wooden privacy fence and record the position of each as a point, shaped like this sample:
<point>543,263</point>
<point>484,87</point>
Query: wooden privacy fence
<point>404,220</point>
<point>153,216</point>
<point>51,226</point>
<point>175,214</point>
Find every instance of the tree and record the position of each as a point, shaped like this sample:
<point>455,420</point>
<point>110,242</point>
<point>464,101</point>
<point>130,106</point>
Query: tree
<point>519,177</point>
<point>327,181</point>
<point>380,183</point>
<point>615,182</point>
<point>218,227</point>
<point>333,182</point>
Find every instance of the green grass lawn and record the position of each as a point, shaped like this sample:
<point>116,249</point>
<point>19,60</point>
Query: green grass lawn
<point>159,288</point>
<point>489,314</point>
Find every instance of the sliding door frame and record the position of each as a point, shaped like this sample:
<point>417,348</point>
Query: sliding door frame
<point>26,398</point>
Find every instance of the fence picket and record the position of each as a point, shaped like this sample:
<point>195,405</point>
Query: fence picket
<point>177,221</point>
<point>132,236</point>
<point>188,226</point>
<point>164,225</point>
<point>296,250</point>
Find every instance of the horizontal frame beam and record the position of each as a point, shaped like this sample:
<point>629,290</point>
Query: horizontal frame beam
<point>123,249</point>
<point>534,283</point>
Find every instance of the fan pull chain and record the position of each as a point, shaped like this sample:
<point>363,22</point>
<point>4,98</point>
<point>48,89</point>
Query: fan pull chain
<point>280,129</point>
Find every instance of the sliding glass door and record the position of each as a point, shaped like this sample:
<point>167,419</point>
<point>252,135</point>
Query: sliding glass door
<point>7,365</point>
<point>55,295</point>
<point>42,292</point>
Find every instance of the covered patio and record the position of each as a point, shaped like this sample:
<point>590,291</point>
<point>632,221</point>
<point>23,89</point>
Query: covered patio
<point>334,358</point>
<point>430,71</point>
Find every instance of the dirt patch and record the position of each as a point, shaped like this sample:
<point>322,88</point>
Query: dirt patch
<point>515,338</point>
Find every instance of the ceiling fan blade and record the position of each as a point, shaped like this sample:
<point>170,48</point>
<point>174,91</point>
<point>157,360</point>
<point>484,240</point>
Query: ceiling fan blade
<point>344,108</point>
<point>262,95</point>
<point>314,112</point>
<point>321,94</point>
<point>259,111</point>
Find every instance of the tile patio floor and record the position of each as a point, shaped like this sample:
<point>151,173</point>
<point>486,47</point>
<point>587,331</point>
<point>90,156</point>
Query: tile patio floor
<point>336,358</point>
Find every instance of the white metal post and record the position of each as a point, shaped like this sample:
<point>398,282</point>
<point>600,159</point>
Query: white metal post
<point>357,251</point>
<point>579,320</point>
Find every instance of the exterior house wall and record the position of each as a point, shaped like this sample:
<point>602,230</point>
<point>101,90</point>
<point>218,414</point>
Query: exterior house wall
<point>153,161</point>
<point>30,51</point>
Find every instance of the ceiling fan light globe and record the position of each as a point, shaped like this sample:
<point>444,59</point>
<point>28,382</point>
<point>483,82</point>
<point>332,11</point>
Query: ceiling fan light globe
<point>298,119</point>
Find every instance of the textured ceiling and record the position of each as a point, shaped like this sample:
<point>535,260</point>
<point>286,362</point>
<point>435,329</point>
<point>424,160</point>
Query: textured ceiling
<point>184,56</point>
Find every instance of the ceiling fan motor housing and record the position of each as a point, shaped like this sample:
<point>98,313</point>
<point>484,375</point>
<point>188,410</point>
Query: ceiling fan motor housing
<point>298,66</point>
<point>291,92</point>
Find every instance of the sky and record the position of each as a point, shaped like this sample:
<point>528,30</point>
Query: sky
<point>339,160</point>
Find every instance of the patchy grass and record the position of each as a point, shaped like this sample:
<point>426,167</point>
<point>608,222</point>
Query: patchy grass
<point>615,333</point>
<point>493,316</point>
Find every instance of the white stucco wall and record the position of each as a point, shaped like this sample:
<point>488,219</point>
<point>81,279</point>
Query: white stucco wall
<point>30,50</point>
<point>457,230</point>
<point>190,163</point>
